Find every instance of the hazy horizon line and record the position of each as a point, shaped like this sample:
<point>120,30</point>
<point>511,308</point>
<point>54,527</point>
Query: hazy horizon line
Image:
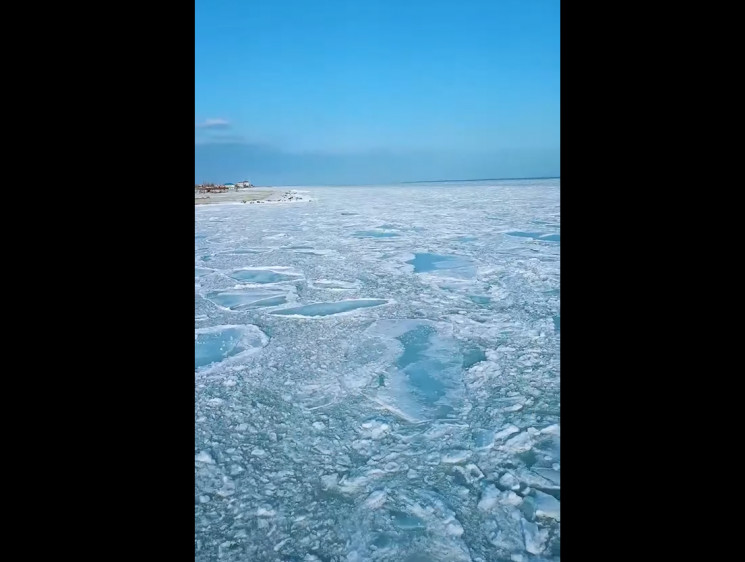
<point>406,182</point>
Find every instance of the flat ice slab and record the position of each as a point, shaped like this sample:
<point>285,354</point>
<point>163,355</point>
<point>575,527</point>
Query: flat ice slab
<point>425,381</point>
<point>447,265</point>
<point>235,300</point>
<point>546,237</point>
<point>264,275</point>
<point>219,343</point>
<point>329,308</point>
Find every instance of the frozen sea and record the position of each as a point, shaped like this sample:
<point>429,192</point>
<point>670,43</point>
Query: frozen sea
<point>377,375</point>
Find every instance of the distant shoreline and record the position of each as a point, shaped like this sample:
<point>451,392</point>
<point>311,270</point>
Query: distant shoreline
<point>484,179</point>
<point>386,184</point>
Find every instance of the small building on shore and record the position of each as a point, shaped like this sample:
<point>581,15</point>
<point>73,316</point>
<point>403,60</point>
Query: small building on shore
<point>211,188</point>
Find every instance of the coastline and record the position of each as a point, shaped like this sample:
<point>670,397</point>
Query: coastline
<point>252,195</point>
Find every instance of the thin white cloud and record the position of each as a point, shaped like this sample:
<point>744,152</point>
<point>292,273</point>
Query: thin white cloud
<point>214,124</point>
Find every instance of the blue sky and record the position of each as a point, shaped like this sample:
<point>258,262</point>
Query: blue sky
<point>373,91</point>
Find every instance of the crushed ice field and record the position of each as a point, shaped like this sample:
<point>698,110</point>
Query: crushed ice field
<point>377,375</point>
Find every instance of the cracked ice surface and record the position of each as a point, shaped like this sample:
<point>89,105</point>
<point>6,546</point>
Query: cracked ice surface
<point>405,407</point>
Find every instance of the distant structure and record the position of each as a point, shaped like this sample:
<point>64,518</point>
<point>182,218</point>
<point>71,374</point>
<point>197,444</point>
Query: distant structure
<point>210,188</point>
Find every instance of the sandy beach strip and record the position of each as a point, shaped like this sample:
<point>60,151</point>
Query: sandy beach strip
<point>251,194</point>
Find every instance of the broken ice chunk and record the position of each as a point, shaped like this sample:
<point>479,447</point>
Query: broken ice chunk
<point>535,538</point>
<point>519,444</point>
<point>204,457</point>
<point>510,498</point>
<point>470,474</point>
<point>453,527</point>
<point>547,506</point>
<point>506,432</point>
<point>329,481</point>
<point>375,429</point>
<point>549,474</point>
<point>483,438</point>
<point>489,498</point>
<point>456,456</point>
<point>376,499</point>
<point>228,487</point>
<point>551,430</point>
<point>508,480</point>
